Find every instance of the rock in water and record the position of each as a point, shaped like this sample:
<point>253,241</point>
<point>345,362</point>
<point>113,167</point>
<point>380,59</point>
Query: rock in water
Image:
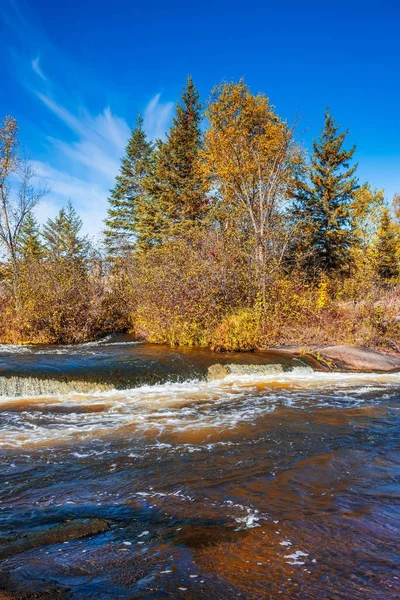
<point>55,535</point>
<point>358,359</point>
<point>219,371</point>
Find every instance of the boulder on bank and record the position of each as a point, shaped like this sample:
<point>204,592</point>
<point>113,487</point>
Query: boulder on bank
<point>351,358</point>
<point>220,371</point>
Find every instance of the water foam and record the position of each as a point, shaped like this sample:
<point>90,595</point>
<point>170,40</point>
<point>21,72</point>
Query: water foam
<point>191,406</point>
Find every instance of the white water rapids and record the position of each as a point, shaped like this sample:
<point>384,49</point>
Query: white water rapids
<point>180,408</point>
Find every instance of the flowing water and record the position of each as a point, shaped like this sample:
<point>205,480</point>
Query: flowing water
<point>125,474</point>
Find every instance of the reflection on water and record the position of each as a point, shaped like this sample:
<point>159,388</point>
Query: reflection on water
<point>254,487</point>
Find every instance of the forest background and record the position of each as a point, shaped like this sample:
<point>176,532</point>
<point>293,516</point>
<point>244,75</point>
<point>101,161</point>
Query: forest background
<point>229,235</point>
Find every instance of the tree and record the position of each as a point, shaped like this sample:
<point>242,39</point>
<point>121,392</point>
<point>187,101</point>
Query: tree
<point>122,220</point>
<point>62,237</point>
<point>249,159</point>
<point>176,195</point>
<point>396,206</point>
<point>29,243</point>
<point>16,205</point>
<point>323,204</point>
<point>387,244</point>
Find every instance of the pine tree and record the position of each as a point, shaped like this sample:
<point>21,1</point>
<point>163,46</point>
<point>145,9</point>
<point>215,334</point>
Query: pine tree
<point>176,196</point>
<point>387,243</point>
<point>322,205</point>
<point>62,237</point>
<point>121,222</point>
<point>29,243</point>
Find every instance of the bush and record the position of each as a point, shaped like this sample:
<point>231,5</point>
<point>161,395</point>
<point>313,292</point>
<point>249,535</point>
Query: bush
<point>59,302</point>
<point>239,331</point>
<point>184,288</point>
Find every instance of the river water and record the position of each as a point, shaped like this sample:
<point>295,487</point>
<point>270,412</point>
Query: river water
<point>125,474</point>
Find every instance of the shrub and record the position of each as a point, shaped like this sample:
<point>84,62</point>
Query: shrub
<point>238,331</point>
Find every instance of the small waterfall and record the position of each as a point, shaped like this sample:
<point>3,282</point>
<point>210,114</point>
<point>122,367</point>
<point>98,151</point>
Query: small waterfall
<point>220,371</point>
<point>37,386</point>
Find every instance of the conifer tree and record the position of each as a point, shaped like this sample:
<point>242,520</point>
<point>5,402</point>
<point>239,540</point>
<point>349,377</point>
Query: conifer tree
<point>29,243</point>
<point>62,237</point>
<point>387,244</point>
<point>176,196</point>
<point>323,204</point>
<point>121,222</point>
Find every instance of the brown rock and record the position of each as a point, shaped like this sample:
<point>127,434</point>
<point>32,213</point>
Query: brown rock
<point>352,358</point>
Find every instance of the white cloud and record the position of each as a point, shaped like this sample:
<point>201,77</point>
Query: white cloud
<point>95,155</point>
<point>90,154</point>
<point>88,157</point>
<point>91,161</point>
<point>102,138</point>
<point>157,117</point>
<point>67,186</point>
<point>89,198</point>
<point>37,69</point>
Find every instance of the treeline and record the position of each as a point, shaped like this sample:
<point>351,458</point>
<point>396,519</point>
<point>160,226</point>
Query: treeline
<point>226,233</point>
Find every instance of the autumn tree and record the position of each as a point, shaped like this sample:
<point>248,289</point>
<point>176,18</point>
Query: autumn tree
<point>18,195</point>
<point>122,219</point>
<point>29,243</point>
<point>387,248</point>
<point>396,206</point>
<point>63,239</point>
<point>175,187</point>
<point>324,199</point>
<point>249,159</point>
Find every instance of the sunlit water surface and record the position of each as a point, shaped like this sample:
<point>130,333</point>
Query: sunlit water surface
<point>284,485</point>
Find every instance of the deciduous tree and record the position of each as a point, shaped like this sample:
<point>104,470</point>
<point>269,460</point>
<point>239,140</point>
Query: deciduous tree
<point>18,195</point>
<point>249,159</point>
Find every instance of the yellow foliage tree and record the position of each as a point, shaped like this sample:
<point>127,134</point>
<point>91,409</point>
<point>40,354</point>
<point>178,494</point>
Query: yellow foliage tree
<point>249,158</point>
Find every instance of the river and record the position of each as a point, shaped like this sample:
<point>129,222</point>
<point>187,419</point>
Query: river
<point>126,474</point>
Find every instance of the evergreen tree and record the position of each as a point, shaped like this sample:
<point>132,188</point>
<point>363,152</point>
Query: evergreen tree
<point>121,222</point>
<point>62,237</point>
<point>322,206</point>
<point>387,256</point>
<point>176,196</point>
<point>29,243</point>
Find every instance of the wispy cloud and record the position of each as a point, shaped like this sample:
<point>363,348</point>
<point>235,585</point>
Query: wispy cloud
<point>84,148</point>
<point>37,69</point>
<point>89,160</point>
<point>95,153</point>
<point>89,197</point>
<point>157,117</point>
<point>101,138</point>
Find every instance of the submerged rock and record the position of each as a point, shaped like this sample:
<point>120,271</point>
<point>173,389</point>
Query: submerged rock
<point>220,371</point>
<point>55,535</point>
<point>352,358</point>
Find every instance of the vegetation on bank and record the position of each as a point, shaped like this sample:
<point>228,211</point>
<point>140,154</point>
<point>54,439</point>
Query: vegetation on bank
<point>230,236</point>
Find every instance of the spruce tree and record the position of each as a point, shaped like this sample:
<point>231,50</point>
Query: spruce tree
<point>121,222</point>
<point>62,237</point>
<point>176,196</point>
<point>387,244</point>
<point>29,243</point>
<point>322,205</point>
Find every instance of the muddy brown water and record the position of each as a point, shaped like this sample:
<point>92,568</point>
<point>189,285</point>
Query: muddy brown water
<point>255,486</point>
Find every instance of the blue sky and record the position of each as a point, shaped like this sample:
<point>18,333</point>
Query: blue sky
<point>75,75</point>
